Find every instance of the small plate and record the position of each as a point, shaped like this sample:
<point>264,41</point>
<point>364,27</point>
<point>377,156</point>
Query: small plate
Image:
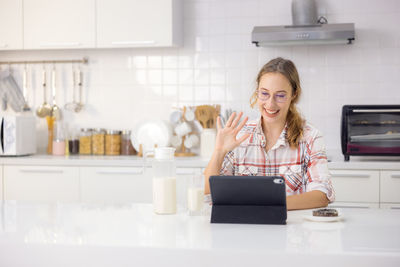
<point>323,219</point>
<point>151,133</point>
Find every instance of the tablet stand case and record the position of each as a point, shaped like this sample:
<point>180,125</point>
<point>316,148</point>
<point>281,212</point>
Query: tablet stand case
<point>248,200</point>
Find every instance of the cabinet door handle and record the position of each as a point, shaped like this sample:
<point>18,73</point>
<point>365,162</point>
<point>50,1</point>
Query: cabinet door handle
<point>60,44</point>
<point>352,207</point>
<point>133,42</point>
<point>40,171</point>
<point>139,171</point>
<point>395,175</point>
<point>351,175</point>
<point>180,171</point>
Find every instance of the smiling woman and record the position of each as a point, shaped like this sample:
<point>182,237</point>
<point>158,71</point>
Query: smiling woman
<point>280,142</point>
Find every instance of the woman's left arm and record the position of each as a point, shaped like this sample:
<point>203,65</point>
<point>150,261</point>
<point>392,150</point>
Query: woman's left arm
<point>319,190</point>
<point>307,200</point>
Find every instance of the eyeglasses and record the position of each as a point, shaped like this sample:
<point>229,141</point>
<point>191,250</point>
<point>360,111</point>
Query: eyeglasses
<point>279,97</point>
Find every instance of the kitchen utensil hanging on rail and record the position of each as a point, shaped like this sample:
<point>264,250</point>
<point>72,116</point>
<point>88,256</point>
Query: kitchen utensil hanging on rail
<point>55,110</point>
<point>80,84</point>
<point>25,89</point>
<point>12,91</point>
<point>44,109</point>
<point>73,106</point>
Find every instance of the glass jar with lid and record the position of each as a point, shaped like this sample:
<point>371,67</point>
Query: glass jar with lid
<point>73,142</point>
<point>59,139</point>
<point>98,141</point>
<point>85,141</point>
<point>113,142</point>
<point>126,144</point>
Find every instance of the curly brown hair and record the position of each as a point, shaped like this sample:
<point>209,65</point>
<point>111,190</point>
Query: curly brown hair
<point>294,120</point>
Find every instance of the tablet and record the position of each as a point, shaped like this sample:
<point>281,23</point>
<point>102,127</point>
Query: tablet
<point>248,199</point>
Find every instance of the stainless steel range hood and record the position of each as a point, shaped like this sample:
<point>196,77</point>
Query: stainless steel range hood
<point>343,33</point>
<point>307,29</point>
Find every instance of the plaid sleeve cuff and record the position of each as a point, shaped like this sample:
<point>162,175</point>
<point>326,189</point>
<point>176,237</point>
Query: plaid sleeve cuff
<point>323,187</point>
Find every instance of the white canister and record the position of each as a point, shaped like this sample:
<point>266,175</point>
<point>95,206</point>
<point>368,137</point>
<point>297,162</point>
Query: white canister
<point>207,142</point>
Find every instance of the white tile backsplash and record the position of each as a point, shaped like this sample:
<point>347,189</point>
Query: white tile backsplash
<point>218,64</point>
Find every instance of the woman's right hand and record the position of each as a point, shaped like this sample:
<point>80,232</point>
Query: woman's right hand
<point>226,137</point>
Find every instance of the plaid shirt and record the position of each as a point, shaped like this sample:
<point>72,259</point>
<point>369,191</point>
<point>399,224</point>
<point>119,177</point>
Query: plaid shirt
<point>304,168</point>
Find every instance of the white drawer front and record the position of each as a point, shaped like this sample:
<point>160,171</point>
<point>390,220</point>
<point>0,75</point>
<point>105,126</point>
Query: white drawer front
<point>390,186</point>
<point>41,183</point>
<point>358,205</point>
<point>356,185</point>
<point>115,185</point>
<point>1,182</point>
<point>393,206</point>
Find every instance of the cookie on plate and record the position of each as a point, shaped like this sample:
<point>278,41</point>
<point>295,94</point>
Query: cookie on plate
<point>326,213</point>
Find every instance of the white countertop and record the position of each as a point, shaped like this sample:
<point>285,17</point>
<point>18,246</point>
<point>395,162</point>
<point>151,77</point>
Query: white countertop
<point>336,161</point>
<point>131,235</point>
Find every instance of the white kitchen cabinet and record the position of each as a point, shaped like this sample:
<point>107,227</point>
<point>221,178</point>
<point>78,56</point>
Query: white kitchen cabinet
<point>11,32</point>
<point>390,186</point>
<point>356,186</point>
<point>41,183</point>
<point>358,205</point>
<point>115,185</point>
<point>52,24</point>
<point>393,206</point>
<point>138,23</point>
<point>1,183</point>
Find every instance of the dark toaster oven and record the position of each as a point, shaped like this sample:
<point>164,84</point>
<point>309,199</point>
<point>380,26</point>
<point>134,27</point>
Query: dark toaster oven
<point>372,130</point>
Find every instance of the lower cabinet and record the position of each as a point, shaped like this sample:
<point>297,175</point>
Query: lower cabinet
<point>1,182</point>
<point>356,188</point>
<point>41,183</point>
<point>115,185</point>
<point>390,187</point>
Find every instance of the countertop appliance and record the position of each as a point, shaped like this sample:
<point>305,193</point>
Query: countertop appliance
<point>17,135</point>
<point>372,130</point>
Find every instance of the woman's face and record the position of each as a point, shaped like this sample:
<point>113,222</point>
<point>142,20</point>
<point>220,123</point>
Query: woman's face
<point>274,95</point>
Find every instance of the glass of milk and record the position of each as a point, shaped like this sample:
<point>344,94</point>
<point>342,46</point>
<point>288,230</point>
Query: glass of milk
<point>195,195</point>
<point>164,181</point>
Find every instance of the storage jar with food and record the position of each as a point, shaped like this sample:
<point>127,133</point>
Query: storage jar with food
<point>113,142</point>
<point>98,141</point>
<point>126,144</point>
<point>85,141</point>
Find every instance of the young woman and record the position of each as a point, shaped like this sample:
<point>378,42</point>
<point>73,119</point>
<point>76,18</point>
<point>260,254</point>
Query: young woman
<point>280,142</point>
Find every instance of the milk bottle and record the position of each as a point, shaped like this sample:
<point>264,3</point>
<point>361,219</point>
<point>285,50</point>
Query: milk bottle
<point>164,181</point>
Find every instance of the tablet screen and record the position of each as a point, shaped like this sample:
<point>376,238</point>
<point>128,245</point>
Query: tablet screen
<point>248,190</point>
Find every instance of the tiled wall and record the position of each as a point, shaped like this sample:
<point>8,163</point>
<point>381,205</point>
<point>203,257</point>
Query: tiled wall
<point>218,65</point>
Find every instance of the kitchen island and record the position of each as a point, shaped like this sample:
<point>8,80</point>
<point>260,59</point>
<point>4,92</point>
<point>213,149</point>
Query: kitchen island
<point>77,234</point>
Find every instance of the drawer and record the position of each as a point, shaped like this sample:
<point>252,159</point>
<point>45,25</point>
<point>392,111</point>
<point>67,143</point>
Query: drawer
<point>356,185</point>
<point>390,186</point>
<point>358,205</point>
<point>115,185</point>
<point>41,183</point>
<point>393,206</point>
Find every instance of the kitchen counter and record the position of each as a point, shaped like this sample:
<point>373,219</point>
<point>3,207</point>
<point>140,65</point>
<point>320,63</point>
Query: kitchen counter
<point>336,161</point>
<point>131,235</point>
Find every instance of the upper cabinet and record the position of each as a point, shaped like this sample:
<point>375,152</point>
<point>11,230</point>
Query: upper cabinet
<point>65,24</point>
<point>52,24</point>
<point>138,23</point>
<point>11,24</point>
